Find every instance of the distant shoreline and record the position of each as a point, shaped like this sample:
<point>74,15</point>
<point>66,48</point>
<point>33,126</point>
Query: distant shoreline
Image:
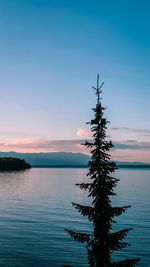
<point>144,166</point>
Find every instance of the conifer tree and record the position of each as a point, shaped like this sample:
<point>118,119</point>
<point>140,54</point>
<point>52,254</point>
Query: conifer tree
<point>103,241</point>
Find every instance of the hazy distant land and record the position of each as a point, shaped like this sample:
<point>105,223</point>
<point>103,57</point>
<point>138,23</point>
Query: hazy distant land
<point>64,159</point>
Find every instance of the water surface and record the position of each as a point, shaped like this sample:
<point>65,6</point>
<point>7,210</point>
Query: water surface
<point>35,207</point>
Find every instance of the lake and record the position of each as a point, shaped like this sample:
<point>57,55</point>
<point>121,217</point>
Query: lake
<point>35,207</point>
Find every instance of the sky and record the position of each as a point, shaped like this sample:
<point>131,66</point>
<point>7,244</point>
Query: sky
<point>50,54</point>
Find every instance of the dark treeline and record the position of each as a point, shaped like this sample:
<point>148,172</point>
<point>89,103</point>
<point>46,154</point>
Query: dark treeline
<point>13,164</point>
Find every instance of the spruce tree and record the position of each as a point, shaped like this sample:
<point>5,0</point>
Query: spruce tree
<point>103,240</point>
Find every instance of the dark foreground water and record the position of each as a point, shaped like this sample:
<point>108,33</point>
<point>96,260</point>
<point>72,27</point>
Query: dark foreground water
<point>35,207</point>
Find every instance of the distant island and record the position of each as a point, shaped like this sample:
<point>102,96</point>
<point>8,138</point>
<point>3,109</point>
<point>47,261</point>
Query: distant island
<point>9,164</point>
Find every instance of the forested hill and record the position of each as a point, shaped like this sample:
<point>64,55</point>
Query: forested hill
<point>9,163</point>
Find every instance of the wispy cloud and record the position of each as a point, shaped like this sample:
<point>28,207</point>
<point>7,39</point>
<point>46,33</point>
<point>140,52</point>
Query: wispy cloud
<point>44,145</point>
<point>118,128</point>
<point>132,144</point>
<point>74,145</point>
<point>142,131</point>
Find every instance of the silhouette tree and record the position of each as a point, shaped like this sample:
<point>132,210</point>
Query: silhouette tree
<point>103,241</point>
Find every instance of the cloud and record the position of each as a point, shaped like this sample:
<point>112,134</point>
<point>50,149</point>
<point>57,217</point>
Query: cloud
<point>118,128</point>
<point>132,144</point>
<point>125,150</point>
<point>142,131</point>
<point>83,132</point>
<point>44,145</point>
<point>140,155</point>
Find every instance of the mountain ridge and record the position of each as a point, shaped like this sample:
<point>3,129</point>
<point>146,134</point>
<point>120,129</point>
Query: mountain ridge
<point>60,159</point>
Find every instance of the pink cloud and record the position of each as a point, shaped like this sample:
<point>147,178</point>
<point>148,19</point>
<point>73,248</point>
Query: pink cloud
<point>83,132</point>
<point>44,145</point>
<point>131,155</point>
<point>127,150</point>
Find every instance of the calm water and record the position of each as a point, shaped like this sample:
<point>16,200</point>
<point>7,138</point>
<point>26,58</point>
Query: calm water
<point>35,207</point>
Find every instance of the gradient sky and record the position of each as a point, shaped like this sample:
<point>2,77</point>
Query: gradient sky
<point>50,54</point>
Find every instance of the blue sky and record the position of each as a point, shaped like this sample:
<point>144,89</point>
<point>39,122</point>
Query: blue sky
<point>51,52</point>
